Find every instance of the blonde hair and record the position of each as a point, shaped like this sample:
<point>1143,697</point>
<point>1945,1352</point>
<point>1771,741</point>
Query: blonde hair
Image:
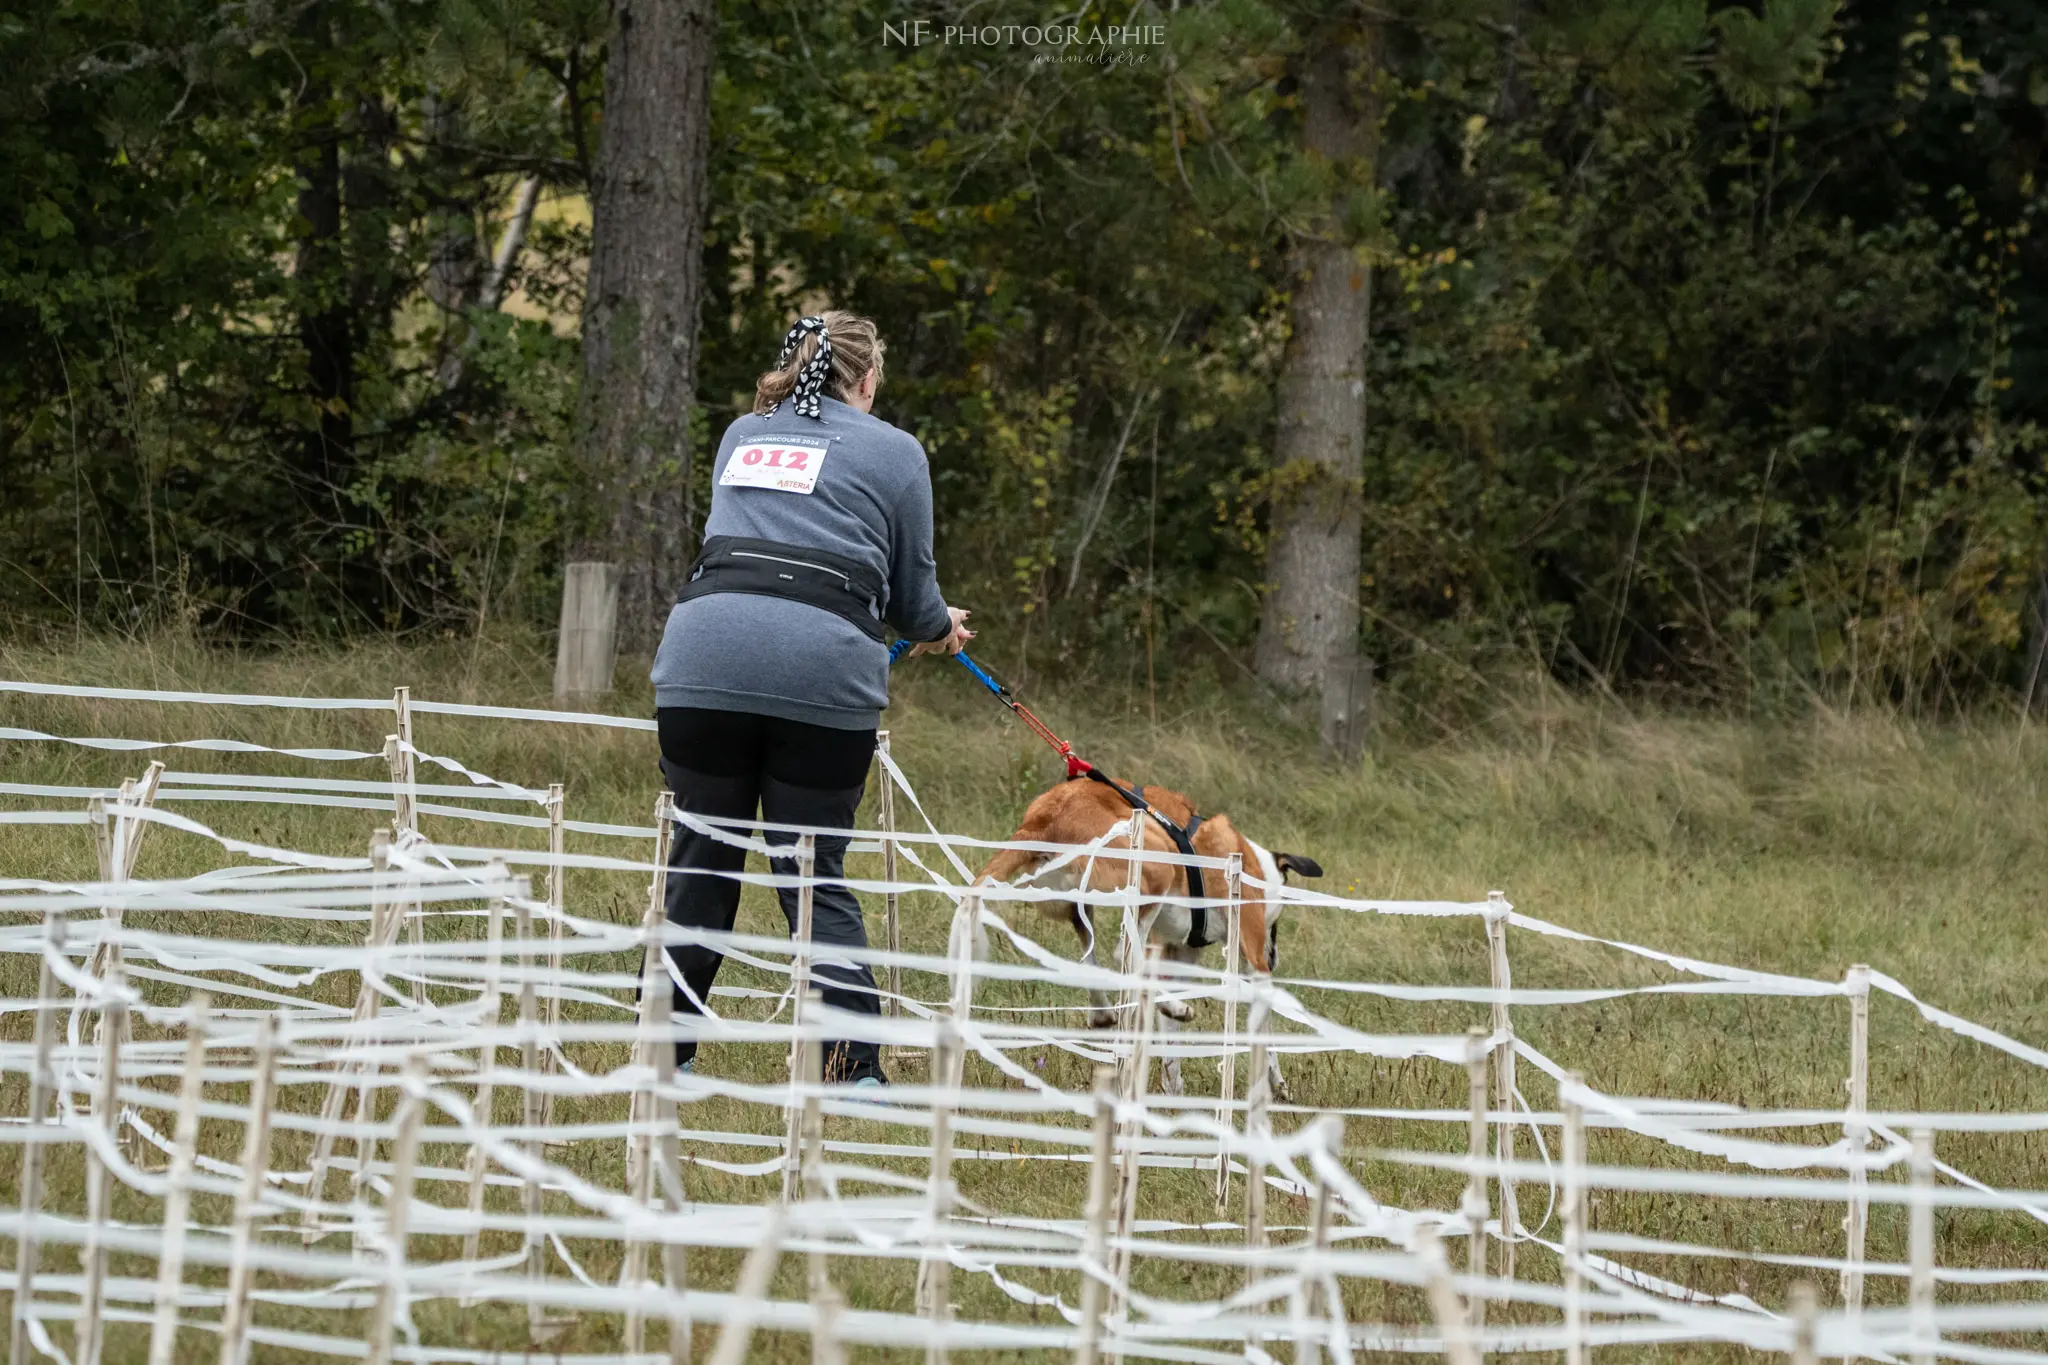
<point>856,349</point>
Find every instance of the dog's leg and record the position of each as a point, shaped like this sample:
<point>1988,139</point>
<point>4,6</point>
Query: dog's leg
<point>1169,1071</point>
<point>1100,1015</point>
<point>1180,1011</point>
<point>1276,1084</point>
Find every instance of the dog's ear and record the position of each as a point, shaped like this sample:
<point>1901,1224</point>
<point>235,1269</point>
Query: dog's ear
<point>1299,865</point>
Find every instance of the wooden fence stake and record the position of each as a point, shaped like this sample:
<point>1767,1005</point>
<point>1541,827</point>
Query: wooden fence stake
<point>405,819</point>
<point>935,1266</point>
<point>42,1081</point>
<point>755,1273</point>
<point>1320,1296</point>
<point>1137,1070</point>
<point>487,1052</point>
<point>587,646</point>
<point>1920,1250</point>
<point>405,1155</point>
<point>885,791</point>
<point>1095,1240</point>
<point>234,1339</point>
<point>163,1332</point>
<point>1258,1094</point>
<point>98,1176</point>
<point>645,1104</point>
<point>120,845</point>
<point>1475,1206</point>
<point>1804,1303</point>
<point>811,1074</point>
<point>557,906</point>
<point>959,985</point>
<point>1573,1157</point>
<point>1226,1066</point>
<point>1497,912</point>
<point>533,1107</point>
<point>384,913</point>
<point>1856,1130</point>
<point>1451,1321</point>
<point>799,997</point>
<point>826,1348</point>
<point>640,1106</point>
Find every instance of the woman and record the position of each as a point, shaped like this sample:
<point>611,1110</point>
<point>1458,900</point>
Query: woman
<point>772,673</point>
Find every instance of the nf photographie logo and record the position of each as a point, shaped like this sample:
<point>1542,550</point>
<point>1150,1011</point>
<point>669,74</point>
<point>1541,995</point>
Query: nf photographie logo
<point>1106,44</point>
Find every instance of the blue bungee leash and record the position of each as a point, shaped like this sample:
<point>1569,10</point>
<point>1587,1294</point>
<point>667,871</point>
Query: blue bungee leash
<point>1076,765</point>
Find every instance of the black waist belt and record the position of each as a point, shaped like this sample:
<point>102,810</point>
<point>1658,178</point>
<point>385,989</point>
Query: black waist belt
<point>768,568</point>
<point>1183,837</point>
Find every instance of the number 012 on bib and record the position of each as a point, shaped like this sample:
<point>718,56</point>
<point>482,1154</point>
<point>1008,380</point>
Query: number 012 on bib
<point>784,466</point>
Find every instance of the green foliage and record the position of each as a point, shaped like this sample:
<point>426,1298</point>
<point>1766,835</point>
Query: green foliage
<point>1703,355</point>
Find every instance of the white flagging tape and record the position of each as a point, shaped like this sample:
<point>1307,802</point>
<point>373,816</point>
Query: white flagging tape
<point>865,1208</point>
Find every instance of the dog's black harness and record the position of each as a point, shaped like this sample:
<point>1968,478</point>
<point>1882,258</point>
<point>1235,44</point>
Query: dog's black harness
<point>1183,837</point>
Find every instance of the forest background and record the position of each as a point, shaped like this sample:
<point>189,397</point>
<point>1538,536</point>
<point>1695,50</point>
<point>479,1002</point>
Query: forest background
<point>1694,348</point>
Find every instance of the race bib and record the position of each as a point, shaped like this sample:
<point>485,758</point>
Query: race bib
<point>785,466</point>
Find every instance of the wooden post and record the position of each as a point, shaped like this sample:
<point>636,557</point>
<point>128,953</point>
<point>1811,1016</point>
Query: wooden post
<point>1857,1131</point>
<point>1804,1303</point>
<point>1573,1157</point>
<point>1258,1094</point>
<point>1459,1345</point>
<point>120,845</point>
<point>41,1082</point>
<point>826,1348</point>
<point>1134,926</point>
<point>1095,1240</point>
<point>1497,911</point>
<point>398,1212</point>
<point>1226,1067</point>
<point>1920,1250</point>
<point>170,1278</point>
<point>487,1054</point>
<point>755,1273</point>
<point>533,1108</point>
<point>657,995</point>
<point>234,1338</point>
<point>893,932</point>
<point>959,992</point>
<point>935,1266</point>
<point>557,906</point>
<point>811,1074</point>
<point>1347,708</point>
<point>644,1107</point>
<point>1475,1204</point>
<point>588,643</point>
<point>98,1178</point>
<point>405,819</point>
<point>1319,1297</point>
<point>640,1106</point>
<point>800,991</point>
<point>384,912</point>
<point>1137,1071</point>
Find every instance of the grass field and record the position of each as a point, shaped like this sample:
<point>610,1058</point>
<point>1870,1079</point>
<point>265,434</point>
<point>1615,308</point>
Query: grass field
<point>1799,847</point>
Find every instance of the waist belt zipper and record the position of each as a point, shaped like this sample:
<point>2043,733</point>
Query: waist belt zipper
<point>799,563</point>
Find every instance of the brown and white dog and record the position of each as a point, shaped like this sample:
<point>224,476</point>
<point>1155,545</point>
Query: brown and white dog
<point>1080,811</point>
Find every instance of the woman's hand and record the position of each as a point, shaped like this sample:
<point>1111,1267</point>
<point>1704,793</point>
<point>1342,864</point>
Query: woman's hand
<point>953,641</point>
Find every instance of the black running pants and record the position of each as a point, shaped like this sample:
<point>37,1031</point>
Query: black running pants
<point>731,764</point>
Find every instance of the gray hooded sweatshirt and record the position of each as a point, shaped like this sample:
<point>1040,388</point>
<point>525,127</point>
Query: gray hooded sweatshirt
<point>861,489</point>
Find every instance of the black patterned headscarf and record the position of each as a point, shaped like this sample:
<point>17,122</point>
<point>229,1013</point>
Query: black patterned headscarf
<point>810,381</point>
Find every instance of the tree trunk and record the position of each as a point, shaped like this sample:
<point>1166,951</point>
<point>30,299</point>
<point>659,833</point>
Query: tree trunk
<point>1309,630</point>
<point>640,310</point>
<point>2034,678</point>
<point>324,321</point>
